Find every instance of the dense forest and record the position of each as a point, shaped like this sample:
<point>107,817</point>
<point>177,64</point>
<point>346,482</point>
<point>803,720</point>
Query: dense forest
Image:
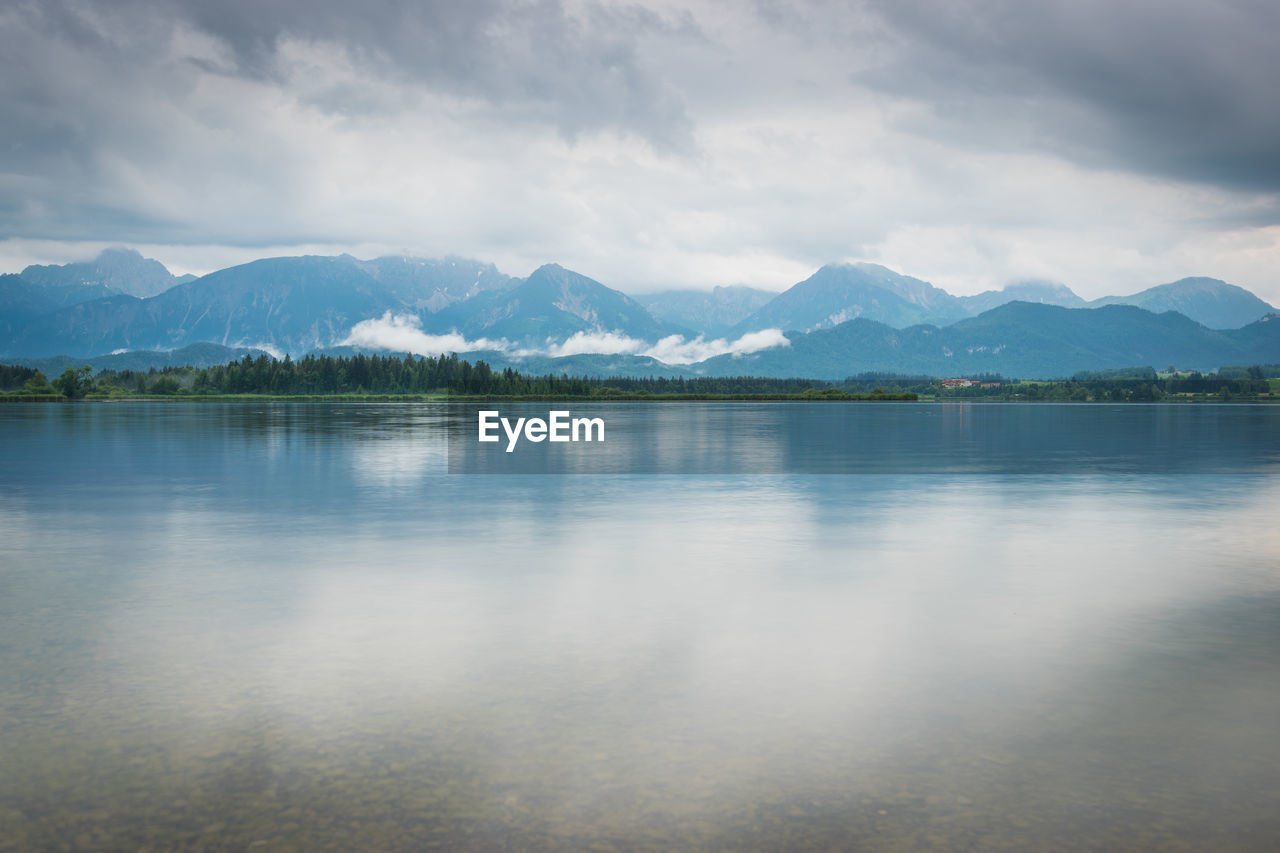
<point>398,376</point>
<point>1114,386</point>
<point>324,375</point>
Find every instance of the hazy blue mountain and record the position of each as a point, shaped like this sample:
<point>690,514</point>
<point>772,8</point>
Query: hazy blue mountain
<point>1015,339</point>
<point>1210,301</point>
<point>552,303</point>
<point>1042,340</point>
<point>431,285</point>
<point>86,329</point>
<point>73,294</point>
<point>196,355</point>
<point>289,304</point>
<point>1044,292</point>
<point>712,313</point>
<point>841,292</point>
<point>304,303</point>
<point>21,302</point>
<point>122,271</point>
<point>1258,336</point>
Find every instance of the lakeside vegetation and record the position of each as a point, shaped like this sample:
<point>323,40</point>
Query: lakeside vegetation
<point>414,378</point>
<point>1256,383</point>
<point>374,377</point>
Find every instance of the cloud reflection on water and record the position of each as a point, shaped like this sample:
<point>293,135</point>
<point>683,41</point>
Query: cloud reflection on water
<point>631,654</point>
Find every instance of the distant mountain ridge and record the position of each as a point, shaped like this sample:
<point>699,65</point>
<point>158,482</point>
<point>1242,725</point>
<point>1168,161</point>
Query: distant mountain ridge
<point>1210,301</point>
<point>713,313</point>
<point>837,293</point>
<point>286,304</point>
<point>121,271</point>
<point>195,355</point>
<point>851,317</point>
<point>1043,292</point>
<point>432,285</point>
<point>1015,339</point>
<point>840,292</point>
<point>553,303</point>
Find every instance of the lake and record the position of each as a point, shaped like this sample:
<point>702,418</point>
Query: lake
<point>729,626</point>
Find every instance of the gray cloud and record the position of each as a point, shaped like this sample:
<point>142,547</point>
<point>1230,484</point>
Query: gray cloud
<point>653,144</point>
<point>1182,89</point>
<point>579,72</point>
<point>92,92</point>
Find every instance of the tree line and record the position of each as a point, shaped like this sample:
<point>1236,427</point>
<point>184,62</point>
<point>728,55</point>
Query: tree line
<point>360,374</point>
<point>390,375</point>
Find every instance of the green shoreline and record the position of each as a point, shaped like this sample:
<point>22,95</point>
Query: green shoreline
<point>457,398</point>
<point>601,398</point>
<point>361,378</point>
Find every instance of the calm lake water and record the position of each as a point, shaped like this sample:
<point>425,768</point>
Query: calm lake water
<point>309,627</point>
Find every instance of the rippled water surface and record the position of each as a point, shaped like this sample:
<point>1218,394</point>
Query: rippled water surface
<point>290,627</point>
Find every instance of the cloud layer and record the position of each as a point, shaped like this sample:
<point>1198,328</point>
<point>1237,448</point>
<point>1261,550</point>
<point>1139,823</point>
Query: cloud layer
<point>673,349</point>
<point>654,144</point>
<point>403,333</point>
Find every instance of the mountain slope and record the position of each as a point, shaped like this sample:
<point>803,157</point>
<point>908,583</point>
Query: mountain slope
<point>840,292</point>
<point>285,303</point>
<point>122,271</point>
<point>1044,292</point>
<point>1210,301</point>
<point>1016,339</point>
<point>21,302</point>
<point>290,304</point>
<point>711,313</point>
<point>195,355</point>
<point>552,303</point>
<point>431,285</point>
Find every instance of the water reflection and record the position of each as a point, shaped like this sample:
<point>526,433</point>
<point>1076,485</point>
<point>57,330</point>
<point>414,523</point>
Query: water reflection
<point>885,438</point>
<point>375,655</point>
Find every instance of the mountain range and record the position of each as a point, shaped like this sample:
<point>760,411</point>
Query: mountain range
<point>277,304</point>
<point>838,293</point>
<point>114,272</point>
<point>712,313</point>
<point>842,320</point>
<point>1015,339</point>
<point>553,303</point>
<point>841,292</point>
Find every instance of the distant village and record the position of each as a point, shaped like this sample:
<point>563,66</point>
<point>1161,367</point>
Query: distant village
<point>968,383</point>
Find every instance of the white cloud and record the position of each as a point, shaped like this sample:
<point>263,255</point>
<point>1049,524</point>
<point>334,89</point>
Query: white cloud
<point>579,343</point>
<point>270,349</point>
<point>673,349</point>
<point>403,333</point>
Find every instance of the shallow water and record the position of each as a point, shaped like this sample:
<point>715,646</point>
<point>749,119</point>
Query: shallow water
<point>289,627</point>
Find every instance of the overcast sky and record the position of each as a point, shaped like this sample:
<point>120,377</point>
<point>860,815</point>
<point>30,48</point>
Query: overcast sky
<point>1107,145</point>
